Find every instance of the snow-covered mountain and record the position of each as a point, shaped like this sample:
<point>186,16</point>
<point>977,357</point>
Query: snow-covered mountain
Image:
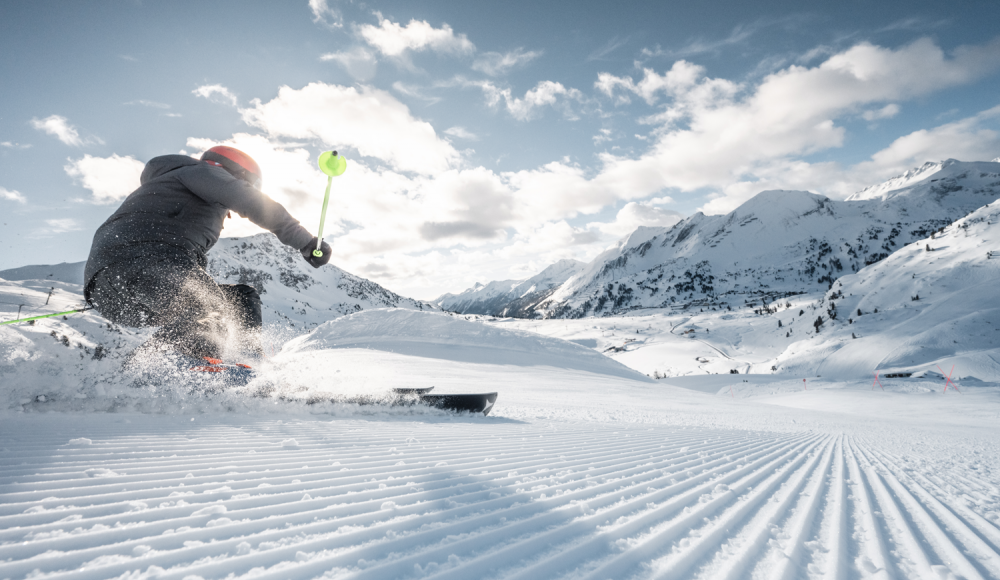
<point>932,303</point>
<point>69,272</point>
<point>911,177</point>
<point>517,298</point>
<point>776,244</point>
<point>294,292</point>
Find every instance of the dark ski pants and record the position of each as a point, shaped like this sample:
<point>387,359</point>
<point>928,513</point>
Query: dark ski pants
<point>196,316</point>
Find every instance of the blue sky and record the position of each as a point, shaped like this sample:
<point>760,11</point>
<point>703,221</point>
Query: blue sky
<point>486,140</point>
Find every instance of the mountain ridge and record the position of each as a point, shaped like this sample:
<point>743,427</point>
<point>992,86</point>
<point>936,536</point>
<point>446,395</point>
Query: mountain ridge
<point>778,243</point>
<point>281,276</point>
<point>511,297</point>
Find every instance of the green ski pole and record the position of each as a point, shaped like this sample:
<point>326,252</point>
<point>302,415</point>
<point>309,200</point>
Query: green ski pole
<point>332,165</point>
<point>47,315</point>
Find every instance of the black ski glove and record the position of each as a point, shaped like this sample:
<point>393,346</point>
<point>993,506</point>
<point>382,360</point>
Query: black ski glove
<point>316,261</point>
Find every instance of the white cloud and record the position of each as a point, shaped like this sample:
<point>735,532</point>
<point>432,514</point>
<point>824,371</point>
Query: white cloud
<point>815,53</point>
<point>59,226</point>
<point>545,243</point>
<point>394,40</point>
<point>324,14</point>
<point>359,62</point>
<point>60,128</point>
<point>635,214</point>
<point>545,93</point>
<point>607,48</point>
<point>602,136</point>
<point>12,195</point>
<point>216,94</point>
<point>685,82</point>
<point>887,112</point>
<point>415,92</point>
<point>110,179</point>
<point>150,104</point>
<point>367,119</point>
<point>718,134</point>
<point>966,139</point>
<point>496,63</point>
<point>11,145</point>
<point>738,35</point>
<point>461,133</point>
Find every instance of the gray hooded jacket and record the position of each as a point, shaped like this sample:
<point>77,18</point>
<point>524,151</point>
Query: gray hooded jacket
<point>182,202</point>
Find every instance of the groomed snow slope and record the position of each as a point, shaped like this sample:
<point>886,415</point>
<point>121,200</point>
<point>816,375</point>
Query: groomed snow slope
<point>583,470</point>
<point>674,484</point>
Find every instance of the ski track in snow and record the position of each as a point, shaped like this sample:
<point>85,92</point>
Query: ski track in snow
<point>478,498</point>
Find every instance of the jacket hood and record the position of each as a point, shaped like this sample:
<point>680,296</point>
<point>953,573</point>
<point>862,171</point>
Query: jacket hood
<point>164,164</point>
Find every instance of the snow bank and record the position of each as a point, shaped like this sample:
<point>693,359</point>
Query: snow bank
<point>453,338</point>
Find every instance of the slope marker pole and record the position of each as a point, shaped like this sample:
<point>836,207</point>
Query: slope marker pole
<point>877,381</point>
<point>948,379</point>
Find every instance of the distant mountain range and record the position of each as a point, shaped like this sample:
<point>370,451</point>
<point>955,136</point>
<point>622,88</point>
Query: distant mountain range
<point>515,298</point>
<point>776,244</point>
<point>68,272</point>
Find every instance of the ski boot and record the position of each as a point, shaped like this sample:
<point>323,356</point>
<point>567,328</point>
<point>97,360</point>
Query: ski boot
<point>232,374</point>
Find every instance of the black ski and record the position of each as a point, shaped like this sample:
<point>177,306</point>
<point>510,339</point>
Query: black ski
<point>478,403</point>
<point>407,397</point>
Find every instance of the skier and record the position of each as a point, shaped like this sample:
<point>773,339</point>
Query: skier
<point>147,262</point>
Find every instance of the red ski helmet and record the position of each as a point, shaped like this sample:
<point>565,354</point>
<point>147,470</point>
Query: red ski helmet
<point>236,162</point>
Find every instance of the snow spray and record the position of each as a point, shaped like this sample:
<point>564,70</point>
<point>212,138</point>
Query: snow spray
<point>332,165</point>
